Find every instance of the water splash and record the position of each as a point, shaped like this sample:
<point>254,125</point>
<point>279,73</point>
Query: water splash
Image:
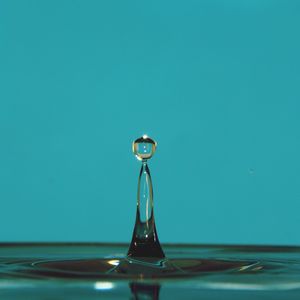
<point>145,257</point>
<point>145,241</point>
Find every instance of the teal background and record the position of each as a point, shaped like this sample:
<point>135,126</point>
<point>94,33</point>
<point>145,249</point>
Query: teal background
<point>216,83</point>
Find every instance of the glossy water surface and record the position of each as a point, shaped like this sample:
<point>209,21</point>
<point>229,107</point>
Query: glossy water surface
<point>100,271</point>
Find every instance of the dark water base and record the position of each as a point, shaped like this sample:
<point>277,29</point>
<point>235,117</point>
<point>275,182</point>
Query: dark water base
<point>127,268</point>
<point>93,271</point>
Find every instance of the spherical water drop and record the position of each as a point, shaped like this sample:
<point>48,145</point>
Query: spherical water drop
<point>144,147</point>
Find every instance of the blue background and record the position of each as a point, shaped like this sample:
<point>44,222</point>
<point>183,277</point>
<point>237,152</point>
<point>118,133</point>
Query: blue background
<point>216,83</point>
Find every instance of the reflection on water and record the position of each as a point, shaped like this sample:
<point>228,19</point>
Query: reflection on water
<point>97,271</point>
<point>145,291</point>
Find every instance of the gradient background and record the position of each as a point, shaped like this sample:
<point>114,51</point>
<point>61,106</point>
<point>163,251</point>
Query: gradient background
<point>216,83</point>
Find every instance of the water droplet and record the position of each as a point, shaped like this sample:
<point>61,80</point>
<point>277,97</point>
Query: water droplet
<point>144,147</point>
